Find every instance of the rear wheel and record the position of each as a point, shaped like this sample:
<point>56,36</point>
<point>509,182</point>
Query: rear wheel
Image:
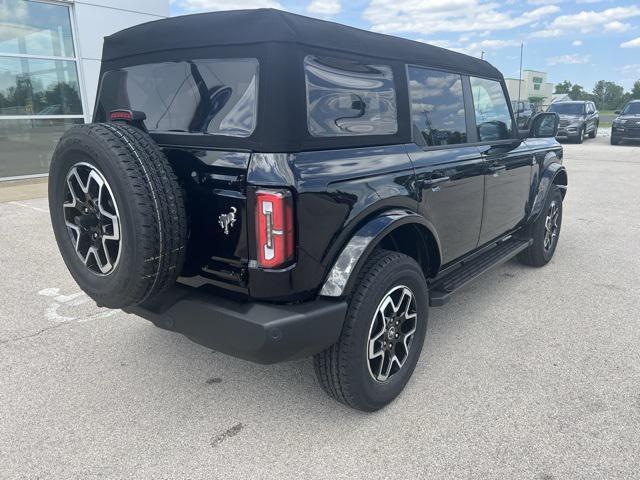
<point>117,213</point>
<point>382,336</point>
<point>545,231</point>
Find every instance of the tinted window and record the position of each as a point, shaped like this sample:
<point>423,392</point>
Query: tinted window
<point>38,87</point>
<point>493,119</point>
<point>567,108</point>
<point>437,106</point>
<point>200,96</point>
<point>348,98</point>
<point>632,109</point>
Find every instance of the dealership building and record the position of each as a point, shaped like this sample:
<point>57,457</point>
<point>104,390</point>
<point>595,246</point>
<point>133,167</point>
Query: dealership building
<point>533,88</point>
<point>49,69</point>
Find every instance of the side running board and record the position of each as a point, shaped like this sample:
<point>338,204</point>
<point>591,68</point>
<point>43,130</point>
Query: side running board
<point>442,288</point>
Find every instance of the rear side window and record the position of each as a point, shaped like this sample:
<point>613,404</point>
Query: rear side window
<point>348,98</point>
<point>437,106</point>
<point>218,97</point>
<point>493,119</point>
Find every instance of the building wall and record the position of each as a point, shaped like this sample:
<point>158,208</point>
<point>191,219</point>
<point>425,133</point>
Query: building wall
<point>534,85</point>
<point>49,67</point>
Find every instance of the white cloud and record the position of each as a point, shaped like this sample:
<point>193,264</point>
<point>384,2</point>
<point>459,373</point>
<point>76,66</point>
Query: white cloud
<point>635,43</point>
<point>587,21</point>
<point>577,43</point>
<point>572,59</point>
<point>548,33</point>
<point>217,5</point>
<point>474,49</point>
<point>324,7</point>
<point>631,69</point>
<point>448,16</point>
<point>616,26</point>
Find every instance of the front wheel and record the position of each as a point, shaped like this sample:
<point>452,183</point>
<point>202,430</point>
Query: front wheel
<point>545,231</point>
<point>594,134</point>
<point>581,135</point>
<point>382,336</point>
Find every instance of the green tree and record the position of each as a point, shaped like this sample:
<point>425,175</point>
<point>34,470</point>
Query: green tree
<point>635,91</point>
<point>608,95</point>
<point>564,87</point>
<point>577,93</point>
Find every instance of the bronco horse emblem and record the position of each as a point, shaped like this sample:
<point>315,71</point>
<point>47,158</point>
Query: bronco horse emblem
<point>226,220</point>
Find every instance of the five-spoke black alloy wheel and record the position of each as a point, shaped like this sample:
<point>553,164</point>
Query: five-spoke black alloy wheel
<point>382,335</point>
<point>391,332</point>
<point>91,216</point>
<point>545,231</point>
<point>551,225</point>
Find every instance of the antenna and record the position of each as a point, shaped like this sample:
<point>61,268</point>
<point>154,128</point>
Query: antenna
<point>519,83</point>
<point>520,78</point>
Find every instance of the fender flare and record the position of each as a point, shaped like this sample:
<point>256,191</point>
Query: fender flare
<point>547,179</point>
<point>362,243</point>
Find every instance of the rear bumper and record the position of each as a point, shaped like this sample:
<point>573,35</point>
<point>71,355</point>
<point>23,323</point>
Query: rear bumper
<point>256,331</point>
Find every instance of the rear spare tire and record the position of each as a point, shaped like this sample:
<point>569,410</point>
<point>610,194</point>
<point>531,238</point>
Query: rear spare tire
<point>117,213</point>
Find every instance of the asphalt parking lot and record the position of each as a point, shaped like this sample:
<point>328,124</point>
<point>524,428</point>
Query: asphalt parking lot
<point>526,374</point>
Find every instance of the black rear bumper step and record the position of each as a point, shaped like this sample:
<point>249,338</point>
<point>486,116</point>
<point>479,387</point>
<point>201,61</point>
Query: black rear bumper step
<point>257,331</point>
<point>441,289</point>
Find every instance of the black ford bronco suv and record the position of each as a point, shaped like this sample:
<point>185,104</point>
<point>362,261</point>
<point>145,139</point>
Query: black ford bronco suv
<point>299,188</point>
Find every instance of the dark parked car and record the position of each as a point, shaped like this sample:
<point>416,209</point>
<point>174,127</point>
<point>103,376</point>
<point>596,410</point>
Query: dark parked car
<point>577,119</point>
<point>626,125</point>
<point>299,188</point>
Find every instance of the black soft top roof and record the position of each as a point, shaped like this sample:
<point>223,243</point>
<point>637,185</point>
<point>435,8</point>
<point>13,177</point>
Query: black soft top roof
<point>244,27</point>
<point>279,41</point>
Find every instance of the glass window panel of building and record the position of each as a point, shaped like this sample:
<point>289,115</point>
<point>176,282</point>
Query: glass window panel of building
<point>31,86</point>
<point>38,78</point>
<point>26,145</point>
<point>437,106</point>
<point>34,28</point>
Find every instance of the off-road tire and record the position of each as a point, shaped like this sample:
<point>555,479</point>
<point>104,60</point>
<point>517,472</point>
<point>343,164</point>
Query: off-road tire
<point>151,209</point>
<point>536,255</point>
<point>342,369</point>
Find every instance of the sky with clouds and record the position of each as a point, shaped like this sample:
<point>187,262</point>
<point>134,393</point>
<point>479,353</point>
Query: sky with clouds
<point>582,40</point>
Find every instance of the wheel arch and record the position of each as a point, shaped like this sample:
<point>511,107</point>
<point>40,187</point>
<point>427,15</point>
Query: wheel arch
<point>401,231</point>
<point>554,174</point>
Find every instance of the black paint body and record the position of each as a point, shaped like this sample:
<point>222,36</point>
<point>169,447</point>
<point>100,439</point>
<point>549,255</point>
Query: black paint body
<point>350,193</point>
<point>491,190</point>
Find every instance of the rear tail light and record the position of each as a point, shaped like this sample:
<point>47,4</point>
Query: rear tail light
<point>274,228</point>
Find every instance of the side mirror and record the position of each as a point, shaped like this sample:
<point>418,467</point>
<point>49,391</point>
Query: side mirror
<point>544,125</point>
<point>618,112</point>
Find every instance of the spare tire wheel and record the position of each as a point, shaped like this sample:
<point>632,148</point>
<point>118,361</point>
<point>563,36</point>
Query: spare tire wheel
<point>117,213</point>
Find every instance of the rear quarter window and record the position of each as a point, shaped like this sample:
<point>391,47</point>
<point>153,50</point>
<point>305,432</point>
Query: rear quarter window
<point>211,96</point>
<point>349,98</point>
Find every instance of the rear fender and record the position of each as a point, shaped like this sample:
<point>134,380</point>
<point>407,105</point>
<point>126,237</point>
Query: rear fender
<point>352,257</point>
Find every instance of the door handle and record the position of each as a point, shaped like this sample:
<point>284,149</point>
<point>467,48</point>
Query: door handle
<point>497,169</point>
<point>434,182</point>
